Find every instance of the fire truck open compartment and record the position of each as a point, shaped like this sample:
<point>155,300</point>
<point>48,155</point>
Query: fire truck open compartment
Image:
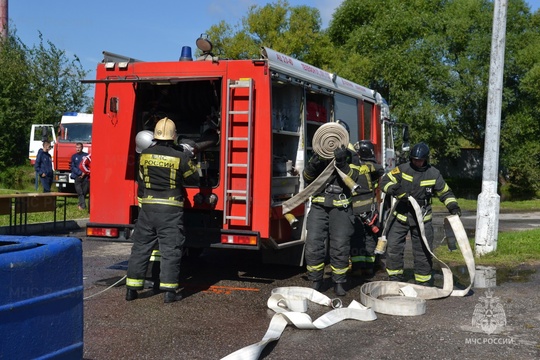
<point>264,113</point>
<point>194,107</point>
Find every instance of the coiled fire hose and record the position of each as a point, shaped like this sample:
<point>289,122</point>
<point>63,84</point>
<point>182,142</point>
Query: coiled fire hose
<point>404,299</point>
<point>385,297</point>
<point>326,139</point>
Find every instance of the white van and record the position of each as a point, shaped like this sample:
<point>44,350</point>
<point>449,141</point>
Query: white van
<point>38,134</point>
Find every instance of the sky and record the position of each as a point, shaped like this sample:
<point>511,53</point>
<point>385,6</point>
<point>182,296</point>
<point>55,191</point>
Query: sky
<point>141,29</point>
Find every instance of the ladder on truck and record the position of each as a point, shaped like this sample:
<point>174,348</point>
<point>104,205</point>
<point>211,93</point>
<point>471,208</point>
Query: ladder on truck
<point>239,120</point>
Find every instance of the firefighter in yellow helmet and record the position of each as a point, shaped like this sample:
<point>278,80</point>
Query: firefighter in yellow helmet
<point>144,140</point>
<point>164,170</point>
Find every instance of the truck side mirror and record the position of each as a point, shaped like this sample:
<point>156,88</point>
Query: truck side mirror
<point>406,140</point>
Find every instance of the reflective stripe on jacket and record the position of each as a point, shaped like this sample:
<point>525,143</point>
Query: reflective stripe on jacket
<point>422,185</point>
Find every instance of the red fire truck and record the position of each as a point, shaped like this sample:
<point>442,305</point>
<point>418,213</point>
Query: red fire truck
<point>265,112</point>
<point>74,127</point>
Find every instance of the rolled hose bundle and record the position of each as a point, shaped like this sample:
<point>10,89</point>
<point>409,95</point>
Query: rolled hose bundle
<point>328,138</point>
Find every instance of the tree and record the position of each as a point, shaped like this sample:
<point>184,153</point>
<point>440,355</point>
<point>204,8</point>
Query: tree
<point>295,31</point>
<point>37,85</point>
<point>520,148</point>
<point>430,60</point>
<point>16,105</point>
<point>55,82</point>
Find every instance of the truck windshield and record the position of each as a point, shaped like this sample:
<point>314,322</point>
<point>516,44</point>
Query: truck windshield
<point>75,133</point>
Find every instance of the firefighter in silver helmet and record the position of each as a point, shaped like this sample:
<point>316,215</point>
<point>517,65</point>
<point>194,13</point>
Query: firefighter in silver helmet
<point>364,206</point>
<point>330,218</point>
<point>144,140</point>
<point>164,172</point>
<point>421,181</point>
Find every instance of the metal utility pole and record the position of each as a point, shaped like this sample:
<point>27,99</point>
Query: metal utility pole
<point>487,216</point>
<point>4,18</point>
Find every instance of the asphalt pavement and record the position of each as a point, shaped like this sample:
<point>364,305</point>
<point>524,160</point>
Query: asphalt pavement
<point>225,309</point>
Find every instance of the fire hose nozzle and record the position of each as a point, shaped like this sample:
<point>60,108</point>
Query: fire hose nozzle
<point>293,221</point>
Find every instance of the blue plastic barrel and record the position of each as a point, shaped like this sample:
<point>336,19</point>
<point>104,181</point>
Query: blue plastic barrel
<point>41,298</point>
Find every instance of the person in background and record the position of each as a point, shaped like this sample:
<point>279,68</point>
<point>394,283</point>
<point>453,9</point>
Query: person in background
<point>365,210</point>
<point>419,180</point>
<point>161,217</point>
<point>43,166</point>
<point>81,180</point>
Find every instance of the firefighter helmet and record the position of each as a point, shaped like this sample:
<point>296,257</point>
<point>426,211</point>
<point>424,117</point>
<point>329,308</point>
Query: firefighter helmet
<point>344,124</point>
<point>143,140</point>
<point>165,130</point>
<point>365,149</point>
<point>420,151</point>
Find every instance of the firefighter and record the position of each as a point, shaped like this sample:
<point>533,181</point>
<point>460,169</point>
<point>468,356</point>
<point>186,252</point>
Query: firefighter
<point>421,181</point>
<point>164,170</point>
<point>330,217</point>
<point>365,210</point>
<point>144,140</point>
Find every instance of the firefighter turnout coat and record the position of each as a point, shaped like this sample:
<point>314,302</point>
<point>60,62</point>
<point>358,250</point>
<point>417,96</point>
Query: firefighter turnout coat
<point>364,207</point>
<point>422,184</point>
<point>164,171</point>
<point>330,217</point>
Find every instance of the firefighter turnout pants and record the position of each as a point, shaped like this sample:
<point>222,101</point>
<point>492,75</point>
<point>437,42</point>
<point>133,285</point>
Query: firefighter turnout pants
<point>423,261</point>
<point>162,224</point>
<point>334,224</point>
<point>363,244</point>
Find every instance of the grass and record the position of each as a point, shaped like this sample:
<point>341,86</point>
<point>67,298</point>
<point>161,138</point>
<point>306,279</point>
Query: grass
<point>506,206</point>
<point>513,248</point>
<point>72,211</point>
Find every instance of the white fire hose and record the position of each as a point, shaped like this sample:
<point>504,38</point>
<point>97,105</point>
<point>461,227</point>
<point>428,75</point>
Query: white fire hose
<point>385,297</point>
<point>404,299</point>
<point>326,139</point>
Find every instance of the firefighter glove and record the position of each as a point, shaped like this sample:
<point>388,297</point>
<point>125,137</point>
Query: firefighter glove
<point>340,154</point>
<point>317,163</point>
<point>454,209</point>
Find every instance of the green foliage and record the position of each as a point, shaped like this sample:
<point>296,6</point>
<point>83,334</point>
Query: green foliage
<point>431,60</point>
<point>295,31</point>
<point>37,85</point>
<point>17,178</point>
<point>55,80</point>
<point>15,103</point>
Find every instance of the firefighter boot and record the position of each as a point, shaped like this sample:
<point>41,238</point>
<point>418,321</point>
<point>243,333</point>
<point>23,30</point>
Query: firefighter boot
<point>398,277</point>
<point>317,285</point>
<point>339,290</point>
<point>171,296</point>
<point>131,295</point>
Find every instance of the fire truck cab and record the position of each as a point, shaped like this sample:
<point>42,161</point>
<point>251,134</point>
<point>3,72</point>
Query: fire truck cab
<point>74,127</point>
<point>264,112</point>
